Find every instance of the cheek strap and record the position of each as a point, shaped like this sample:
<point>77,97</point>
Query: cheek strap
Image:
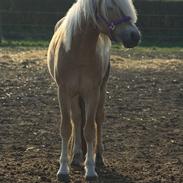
<point>111,25</point>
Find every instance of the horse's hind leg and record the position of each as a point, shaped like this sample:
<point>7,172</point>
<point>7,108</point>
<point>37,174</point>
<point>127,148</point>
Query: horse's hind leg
<point>99,120</point>
<point>66,129</point>
<point>91,102</point>
<point>77,159</point>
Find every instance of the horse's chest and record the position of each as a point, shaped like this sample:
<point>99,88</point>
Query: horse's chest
<point>83,77</point>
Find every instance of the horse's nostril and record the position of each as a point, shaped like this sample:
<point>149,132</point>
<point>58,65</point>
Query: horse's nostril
<point>135,36</point>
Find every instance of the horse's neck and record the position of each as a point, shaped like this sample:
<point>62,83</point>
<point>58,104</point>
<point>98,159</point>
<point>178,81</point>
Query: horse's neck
<point>85,39</point>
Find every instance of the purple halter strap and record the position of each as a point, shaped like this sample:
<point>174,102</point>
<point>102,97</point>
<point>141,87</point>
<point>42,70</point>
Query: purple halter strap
<point>111,25</point>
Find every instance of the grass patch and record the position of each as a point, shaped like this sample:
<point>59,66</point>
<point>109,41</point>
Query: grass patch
<point>151,50</point>
<point>145,49</point>
<point>24,43</point>
<point>45,43</point>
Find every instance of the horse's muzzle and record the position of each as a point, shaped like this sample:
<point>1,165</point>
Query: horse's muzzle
<point>131,39</point>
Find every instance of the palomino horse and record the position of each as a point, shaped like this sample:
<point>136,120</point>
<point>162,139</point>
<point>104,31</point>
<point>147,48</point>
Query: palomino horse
<point>78,61</point>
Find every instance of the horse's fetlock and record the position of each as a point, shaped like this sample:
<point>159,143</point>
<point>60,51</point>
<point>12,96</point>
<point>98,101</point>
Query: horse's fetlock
<point>63,160</point>
<point>89,163</point>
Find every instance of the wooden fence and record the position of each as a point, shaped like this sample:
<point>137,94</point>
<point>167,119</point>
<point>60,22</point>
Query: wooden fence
<point>20,19</point>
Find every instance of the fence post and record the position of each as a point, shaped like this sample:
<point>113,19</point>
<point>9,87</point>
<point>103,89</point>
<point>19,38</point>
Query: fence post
<point>1,29</point>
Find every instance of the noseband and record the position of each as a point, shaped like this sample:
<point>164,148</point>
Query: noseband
<point>111,25</point>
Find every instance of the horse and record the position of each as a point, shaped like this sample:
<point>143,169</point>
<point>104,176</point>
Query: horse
<point>79,62</point>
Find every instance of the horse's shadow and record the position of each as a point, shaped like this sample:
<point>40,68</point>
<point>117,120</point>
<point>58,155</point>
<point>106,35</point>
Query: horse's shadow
<point>107,174</point>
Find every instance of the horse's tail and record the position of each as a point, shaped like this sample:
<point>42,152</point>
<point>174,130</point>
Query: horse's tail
<point>83,117</point>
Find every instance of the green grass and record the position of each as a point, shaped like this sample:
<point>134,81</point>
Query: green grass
<point>44,43</point>
<point>145,49</point>
<point>149,51</point>
<point>24,43</point>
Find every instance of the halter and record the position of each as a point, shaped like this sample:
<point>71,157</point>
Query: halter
<point>111,25</point>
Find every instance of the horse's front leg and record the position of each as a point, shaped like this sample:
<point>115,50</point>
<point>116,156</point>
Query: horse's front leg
<point>77,159</point>
<point>91,103</point>
<point>66,129</point>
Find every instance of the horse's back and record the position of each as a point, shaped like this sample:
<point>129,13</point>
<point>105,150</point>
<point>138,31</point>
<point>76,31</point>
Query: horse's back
<point>52,48</point>
<point>58,24</point>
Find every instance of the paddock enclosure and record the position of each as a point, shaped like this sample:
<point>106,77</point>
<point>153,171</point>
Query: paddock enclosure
<point>142,133</point>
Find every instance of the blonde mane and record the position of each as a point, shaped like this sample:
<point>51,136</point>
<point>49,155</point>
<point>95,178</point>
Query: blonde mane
<point>129,9</point>
<point>84,9</point>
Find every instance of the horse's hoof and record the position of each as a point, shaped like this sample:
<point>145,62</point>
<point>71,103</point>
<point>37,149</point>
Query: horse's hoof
<point>63,177</point>
<point>91,178</point>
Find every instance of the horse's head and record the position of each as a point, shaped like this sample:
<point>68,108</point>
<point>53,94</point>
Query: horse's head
<point>117,19</point>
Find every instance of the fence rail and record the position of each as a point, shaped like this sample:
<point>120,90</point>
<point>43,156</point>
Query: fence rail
<point>157,20</point>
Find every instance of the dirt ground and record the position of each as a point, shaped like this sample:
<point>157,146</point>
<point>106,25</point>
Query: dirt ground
<point>143,131</point>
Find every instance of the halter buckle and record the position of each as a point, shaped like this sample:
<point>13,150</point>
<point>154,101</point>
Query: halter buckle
<point>112,26</point>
